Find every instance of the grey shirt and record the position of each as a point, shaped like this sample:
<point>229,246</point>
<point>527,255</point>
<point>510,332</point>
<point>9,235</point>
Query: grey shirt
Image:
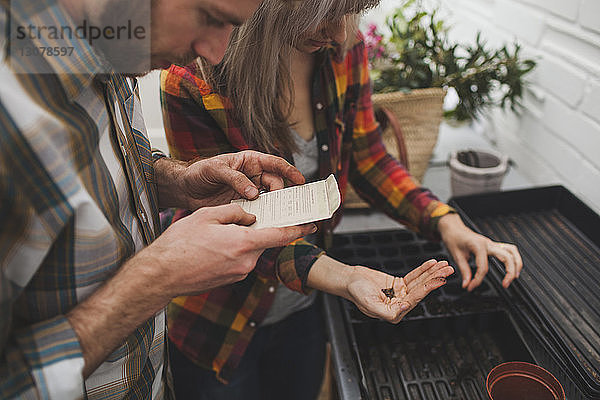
<point>287,301</point>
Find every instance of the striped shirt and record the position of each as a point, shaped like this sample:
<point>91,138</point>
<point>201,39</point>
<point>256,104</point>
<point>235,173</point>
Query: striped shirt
<point>77,199</point>
<point>214,329</point>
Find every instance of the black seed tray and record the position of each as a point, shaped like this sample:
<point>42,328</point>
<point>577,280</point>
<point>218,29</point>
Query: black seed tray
<point>559,240</point>
<point>446,358</point>
<point>444,348</point>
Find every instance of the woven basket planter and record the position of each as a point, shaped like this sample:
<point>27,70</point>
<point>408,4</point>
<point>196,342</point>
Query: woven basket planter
<point>419,114</point>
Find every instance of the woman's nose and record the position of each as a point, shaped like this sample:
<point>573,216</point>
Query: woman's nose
<point>336,31</point>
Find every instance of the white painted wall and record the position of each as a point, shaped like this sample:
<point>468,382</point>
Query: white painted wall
<point>557,139</point>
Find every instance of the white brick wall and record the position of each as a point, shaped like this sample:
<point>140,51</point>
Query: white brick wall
<point>563,8</point>
<point>590,10</point>
<point>557,139</point>
<point>591,102</point>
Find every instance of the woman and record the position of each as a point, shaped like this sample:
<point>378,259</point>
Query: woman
<point>293,83</point>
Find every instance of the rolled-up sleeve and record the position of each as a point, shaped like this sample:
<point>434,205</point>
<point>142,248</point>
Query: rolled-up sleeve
<point>381,179</point>
<point>294,263</point>
<point>43,361</point>
<point>40,359</point>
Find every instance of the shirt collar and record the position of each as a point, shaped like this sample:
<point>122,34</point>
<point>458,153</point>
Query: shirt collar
<point>77,71</point>
<point>335,51</point>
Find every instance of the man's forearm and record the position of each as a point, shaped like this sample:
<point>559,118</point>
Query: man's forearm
<point>167,173</point>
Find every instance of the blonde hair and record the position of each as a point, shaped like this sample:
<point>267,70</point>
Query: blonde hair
<point>255,72</point>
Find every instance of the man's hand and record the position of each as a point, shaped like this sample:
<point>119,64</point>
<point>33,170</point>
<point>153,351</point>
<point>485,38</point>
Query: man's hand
<point>365,286</point>
<point>209,248</point>
<point>461,242</point>
<point>214,247</point>
<point>220,179</point>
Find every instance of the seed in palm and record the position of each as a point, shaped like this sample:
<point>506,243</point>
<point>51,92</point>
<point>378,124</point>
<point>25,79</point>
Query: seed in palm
<point>389,292</point>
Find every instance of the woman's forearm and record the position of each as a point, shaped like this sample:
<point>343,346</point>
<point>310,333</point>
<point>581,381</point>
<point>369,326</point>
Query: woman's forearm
<point>330,276</point>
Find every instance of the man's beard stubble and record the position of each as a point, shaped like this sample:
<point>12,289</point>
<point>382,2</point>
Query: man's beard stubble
<point>129,55</point>
<point>134,58</point>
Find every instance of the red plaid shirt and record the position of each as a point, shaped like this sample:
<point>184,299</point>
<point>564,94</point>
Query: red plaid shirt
<point>214,329</point>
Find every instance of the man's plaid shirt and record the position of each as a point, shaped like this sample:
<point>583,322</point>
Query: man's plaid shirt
<point>214,329</point>
<point>77,199</point>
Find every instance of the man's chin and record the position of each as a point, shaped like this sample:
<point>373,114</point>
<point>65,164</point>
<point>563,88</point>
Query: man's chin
<point>141,70</point>
<point>160,64</point>
<point>164,63</point>
<point>136,74</point>
<point>155,65</point>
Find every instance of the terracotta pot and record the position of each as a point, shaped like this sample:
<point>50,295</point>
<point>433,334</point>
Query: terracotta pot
<point>521,380</point>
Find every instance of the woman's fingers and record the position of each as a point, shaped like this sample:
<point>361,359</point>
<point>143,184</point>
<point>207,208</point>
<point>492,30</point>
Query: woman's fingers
<point>403,305</point>
<point>417,272</point>
<point>370,299</point>
<point>408,296</point>
<point>432,282</point>
<point>517,256</point>
<point>408,291</point>
<point>509,255</point>
<point>433,271</point>
<point>481,260</point>
<point>462,262</point>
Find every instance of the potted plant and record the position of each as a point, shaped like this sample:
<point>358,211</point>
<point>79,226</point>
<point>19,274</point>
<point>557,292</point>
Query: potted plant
<point>413,65</point>
<point>417,54</point>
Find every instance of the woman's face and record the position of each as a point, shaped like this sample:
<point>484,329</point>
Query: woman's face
<point>327,33</point>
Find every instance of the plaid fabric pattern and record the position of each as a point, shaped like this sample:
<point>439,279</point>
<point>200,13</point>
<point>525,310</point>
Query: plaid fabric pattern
<point>77,199</point>
<point>214,329</point>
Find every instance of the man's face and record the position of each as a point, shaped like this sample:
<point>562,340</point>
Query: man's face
<point>185,29</point>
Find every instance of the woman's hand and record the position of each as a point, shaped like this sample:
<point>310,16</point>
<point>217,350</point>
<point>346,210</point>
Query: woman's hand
<point>461,242</point>
<point>364,288</point>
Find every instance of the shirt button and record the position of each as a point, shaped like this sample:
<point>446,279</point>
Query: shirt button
<point>252,324</point>
<point>319,106</point>
<point>271,289</point>
<point>325,147</point>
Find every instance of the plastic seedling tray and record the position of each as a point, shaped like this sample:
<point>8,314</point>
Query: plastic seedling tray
<point>440,358</point>
<point>559,288</point>
<point>445,347</point>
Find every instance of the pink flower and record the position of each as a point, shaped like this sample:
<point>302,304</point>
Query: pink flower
<point>374,43</point>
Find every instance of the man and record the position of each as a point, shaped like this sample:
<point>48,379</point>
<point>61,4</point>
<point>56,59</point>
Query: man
<point>83,283</point>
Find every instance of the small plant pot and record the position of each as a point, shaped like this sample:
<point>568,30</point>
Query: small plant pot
<point>521,380</point>
<point>477,171</point>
